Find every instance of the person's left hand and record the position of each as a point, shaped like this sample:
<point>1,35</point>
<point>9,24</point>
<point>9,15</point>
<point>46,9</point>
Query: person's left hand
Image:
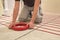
<point>31,25</point>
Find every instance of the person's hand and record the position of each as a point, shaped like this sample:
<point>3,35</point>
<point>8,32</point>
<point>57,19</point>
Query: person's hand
<point>11,24</point>
<point>31,25</point>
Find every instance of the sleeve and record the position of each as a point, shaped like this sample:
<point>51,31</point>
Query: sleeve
<point>17,0</point>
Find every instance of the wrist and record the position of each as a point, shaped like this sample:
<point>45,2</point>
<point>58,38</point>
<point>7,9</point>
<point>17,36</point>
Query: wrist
<point>12,21</point>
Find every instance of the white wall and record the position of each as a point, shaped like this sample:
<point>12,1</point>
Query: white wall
<point>51,6</point>
<point>47,5</point>
<point>1,8</point>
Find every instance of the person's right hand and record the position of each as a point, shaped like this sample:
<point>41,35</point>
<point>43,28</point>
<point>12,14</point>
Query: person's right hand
<point>11,24</point>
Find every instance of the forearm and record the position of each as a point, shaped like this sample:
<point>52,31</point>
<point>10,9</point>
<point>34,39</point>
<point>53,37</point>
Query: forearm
<point>16,10</point>
<point>36,5</point>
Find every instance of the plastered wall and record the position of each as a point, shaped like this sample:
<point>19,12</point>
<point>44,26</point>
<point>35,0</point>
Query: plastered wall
<point>51,5</point>
<point>1,8</point>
